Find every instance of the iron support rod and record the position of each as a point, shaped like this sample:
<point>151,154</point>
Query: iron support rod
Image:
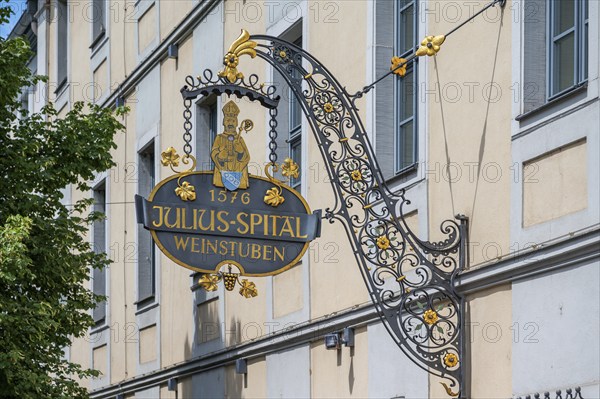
<point>368,88</point>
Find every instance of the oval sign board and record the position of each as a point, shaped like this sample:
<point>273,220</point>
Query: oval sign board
<point>222,227</point>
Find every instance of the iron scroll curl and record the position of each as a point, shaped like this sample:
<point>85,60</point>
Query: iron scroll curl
<point>410,281</point>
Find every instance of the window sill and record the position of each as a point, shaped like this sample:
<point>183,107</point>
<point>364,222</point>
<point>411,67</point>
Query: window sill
<point>61,87</point>
<point>554,102</point>
<point>405,176</point>
<point>98,44</point>
<point>145,305</point>
<point>99,328</point>
<point>97,40</point>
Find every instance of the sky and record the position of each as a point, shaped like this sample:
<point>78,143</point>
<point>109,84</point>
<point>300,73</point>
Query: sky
<point>18,7</point>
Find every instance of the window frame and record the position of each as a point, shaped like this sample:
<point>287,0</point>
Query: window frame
<point>62,45</point>
<point>580,53</point>
<point>102,186</point>
<point>400,166</point>
<point>149,299</point>
<point>294,140</point>
<point>98,36</point>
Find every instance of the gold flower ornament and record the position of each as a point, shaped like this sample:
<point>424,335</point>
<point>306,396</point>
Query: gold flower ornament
<point>290,169</point>
<point>248,289</point>
<point>450,360</point>
<point>170,157</point>
<point>186,192</point>
<point>273,197</point>
<point>383,242</point>
<point>209,282</point>
<point>356,175</point>
<point>430,45</point>
<point>430,317</point>
<point>396,68</point>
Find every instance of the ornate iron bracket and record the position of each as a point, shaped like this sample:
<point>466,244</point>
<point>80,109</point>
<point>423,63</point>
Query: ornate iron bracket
<point>410,281</point>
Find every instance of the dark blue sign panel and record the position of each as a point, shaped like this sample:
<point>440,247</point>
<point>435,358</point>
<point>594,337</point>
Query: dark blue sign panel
<point>222,227</point>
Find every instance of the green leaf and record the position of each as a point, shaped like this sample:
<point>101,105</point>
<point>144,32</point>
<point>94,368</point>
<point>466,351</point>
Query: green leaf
<point>45,254</point>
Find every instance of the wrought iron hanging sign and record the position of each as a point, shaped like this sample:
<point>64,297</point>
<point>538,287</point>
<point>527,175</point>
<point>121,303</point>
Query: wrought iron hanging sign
<point>208,220</point>
<point>226,218</point>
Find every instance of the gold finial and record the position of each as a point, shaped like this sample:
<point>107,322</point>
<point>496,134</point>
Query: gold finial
<point>241,46</point>
<point>430,45</point>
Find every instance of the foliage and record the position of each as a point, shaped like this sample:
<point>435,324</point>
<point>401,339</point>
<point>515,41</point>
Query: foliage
<point>45,254</point>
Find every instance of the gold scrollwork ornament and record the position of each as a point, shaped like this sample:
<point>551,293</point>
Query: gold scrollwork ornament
<point>170,158</point>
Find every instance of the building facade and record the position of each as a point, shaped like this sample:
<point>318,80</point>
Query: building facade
<point>502,125</point>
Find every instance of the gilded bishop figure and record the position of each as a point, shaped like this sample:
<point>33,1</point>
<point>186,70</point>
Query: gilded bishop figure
<point>229,153</point>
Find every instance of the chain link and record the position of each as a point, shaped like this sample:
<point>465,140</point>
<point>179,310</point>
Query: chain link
<point>273,136</point>
<point>187,126</point>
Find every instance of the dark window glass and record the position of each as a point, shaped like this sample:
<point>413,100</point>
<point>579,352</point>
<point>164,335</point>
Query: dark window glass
<point>99,18</point>
<point>99,231</point>
<point>406,87</point>
<point>146,250</point>
<point>62,19</point>
<point>568,44</point>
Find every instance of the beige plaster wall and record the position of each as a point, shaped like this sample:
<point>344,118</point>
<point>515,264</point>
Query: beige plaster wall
<point>177,313</point>
<point>288,291</point>
<point>560,176</point>
<point>147,28</point>
<point>171,13</point>
<point>250,385</point>
<point>335,284</point>
<point>123,54</point>
<point>121,227</point>
<point>472,139</point>
<point>340,373</point>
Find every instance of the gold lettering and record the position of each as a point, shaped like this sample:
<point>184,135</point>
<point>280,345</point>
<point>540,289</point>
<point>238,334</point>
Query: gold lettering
<point>184,219</point>
<point>222,247</point>
<point>212,246</point>
<point>254,220</point>
<point>211,225</point>
<point>241,221</point>
<point>160,213</point>
<point>266,225</point>
<point>267,252</point>
<point>195,242</point>
<point>232,253</point>
<point>298,229</point>
<point>195,214</point>
<point>180,243</point>
<point>225,224</point>
<point>255,251</point>
<point>241,253</point>
<point>278,254</point>
<point>171,225</point>
<point>287,227</point>
<point>274,219</point>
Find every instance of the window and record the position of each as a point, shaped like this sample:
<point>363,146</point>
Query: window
<point>146,273</point>
<point>99,275</point>
<point>555,50</point>
<point>206,131</point>
<point>62,45</point>
<point>98,20</point>
<point>405,148</point>
<point>295,128</point>
<point>568,32</point>
<point>289,113</point>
